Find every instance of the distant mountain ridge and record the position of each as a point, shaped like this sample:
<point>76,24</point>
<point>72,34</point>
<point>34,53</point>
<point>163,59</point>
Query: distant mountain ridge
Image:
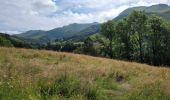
<point>162,10</point>
<point>78,32</point>
<point>38,36</point>
<point>82,35</point>
<point>32,34</point>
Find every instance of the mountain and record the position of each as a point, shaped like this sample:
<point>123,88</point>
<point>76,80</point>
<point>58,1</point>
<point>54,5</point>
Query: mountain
<point>38,36</point>
<point>161,10</point>
<point>67,31</point>
<point>32,34</point>
<point>80,36</point>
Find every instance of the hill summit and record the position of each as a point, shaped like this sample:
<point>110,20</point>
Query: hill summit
<point>162,10</point>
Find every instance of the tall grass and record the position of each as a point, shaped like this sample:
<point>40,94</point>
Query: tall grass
<point>37,74</point>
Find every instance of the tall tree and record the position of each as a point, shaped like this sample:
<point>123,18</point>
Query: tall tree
<point>138,26</point>
<point>108,31</point>
<point>158,40</point>
<point>122,29</point>
<point>167,42</point>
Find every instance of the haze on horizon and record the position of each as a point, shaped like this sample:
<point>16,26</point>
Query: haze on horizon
<point>23,15</point>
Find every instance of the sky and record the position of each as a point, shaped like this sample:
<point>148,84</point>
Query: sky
<point>17,16</point>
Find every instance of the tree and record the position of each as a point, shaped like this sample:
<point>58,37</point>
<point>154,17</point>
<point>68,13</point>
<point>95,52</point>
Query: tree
<point>138,26</point>
<point>108,31</point>
<point>167,42</point>
<point>158,40</point>
<point>88,47</point>
<point>122,29</point>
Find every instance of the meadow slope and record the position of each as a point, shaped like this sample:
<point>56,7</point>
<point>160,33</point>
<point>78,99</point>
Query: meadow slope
<point>38,74</point>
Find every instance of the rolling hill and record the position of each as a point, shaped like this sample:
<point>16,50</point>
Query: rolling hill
<point>38,36</point>
<point>5,40</point>
<point>32,34</point>
<point>27,74</point>
<point>12,41</point>
<point>80,36</point>
<point>161,10</point>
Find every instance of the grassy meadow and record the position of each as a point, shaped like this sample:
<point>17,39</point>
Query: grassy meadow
<point>27,74</point>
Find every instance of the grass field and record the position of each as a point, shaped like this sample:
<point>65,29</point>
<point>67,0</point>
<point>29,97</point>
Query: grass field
<point>45,75</point>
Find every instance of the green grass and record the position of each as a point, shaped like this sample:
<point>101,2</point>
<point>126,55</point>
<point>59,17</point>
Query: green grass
<point>45,75</point>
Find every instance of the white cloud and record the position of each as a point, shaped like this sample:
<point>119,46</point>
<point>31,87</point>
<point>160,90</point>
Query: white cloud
<point>22,15</point>
<point>44,6</point>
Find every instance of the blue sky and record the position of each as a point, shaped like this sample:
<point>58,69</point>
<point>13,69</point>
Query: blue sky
<point>23,15</point>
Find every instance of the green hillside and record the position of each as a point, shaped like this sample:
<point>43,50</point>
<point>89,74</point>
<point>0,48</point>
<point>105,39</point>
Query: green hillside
<point>82,35</point>
<point>12,41</point>
<point>65,32</point>
<point>33,34</point>
<point>161,10</point>
<point>45,75</point>
<point>5,40</point>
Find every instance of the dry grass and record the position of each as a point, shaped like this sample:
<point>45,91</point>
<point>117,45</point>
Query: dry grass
<point>112,79</point>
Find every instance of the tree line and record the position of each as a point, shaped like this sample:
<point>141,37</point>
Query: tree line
<point>138,37</point>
